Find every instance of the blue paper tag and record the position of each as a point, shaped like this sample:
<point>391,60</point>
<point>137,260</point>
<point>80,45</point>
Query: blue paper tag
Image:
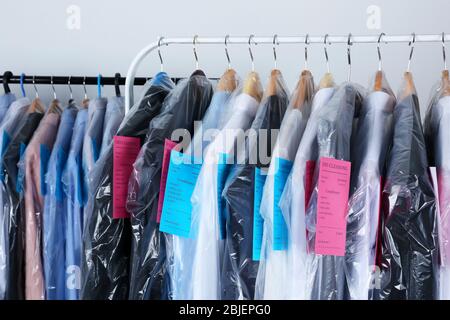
<point>44,158</point>
<point>258,221</point>
<point>177,208</point>
<point>61,158</point>
<point>5,143</point>
<point>21,171</point>
<point>222,173</point>
<point>282,169</point>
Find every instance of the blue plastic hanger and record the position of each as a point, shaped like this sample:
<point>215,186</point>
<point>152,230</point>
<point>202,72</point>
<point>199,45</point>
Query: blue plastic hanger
<point>22,88</point>
<point>99,85</point>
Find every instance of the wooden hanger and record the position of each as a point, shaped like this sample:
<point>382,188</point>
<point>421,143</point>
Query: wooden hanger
<point>304,92</point>
<point>253,86</point>
<point>55,107</point>
<point>409,87</point>
<point>85,103</point>
<point>327,81</point>
<point>272,86</point>
<point>378,85</point>
<point>36,106</point>
<point>445,83</point>
<point>228,81</point>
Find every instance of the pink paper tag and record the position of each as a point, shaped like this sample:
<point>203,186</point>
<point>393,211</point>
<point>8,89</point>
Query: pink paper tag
<point>168,146</point>
<point>125,152</point>
<point>333,187</point>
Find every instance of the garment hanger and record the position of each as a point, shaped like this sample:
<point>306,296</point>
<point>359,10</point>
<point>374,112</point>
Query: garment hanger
<point>117,77</point>
<point>70,90</point>
<point>272,86</point>
<point>409,88</point>
<point>306,82</point>
<point>36,104</point>
<point>349,57</point>
<point>99,86</point>
<point>22,87</point>
<point>327,80</point>
<point>85,102</point>
<point>55,106</point>
<point>378,86</point>
<point>445,74</point>
<point>194,47</point>
<point>6,77</point>
<point>228,81</point>
<point>252,84</point>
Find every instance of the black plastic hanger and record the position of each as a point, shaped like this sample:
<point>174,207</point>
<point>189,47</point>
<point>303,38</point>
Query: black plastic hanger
<point>6,77</point>
<point>117,77</point>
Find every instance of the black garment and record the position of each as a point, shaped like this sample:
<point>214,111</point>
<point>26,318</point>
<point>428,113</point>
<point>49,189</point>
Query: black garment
<point>14,206</point>
<point>187,103</point>
<point>239,270</point>
<point>334,136</point>
<point>107,241</point>
<point>410,243</point>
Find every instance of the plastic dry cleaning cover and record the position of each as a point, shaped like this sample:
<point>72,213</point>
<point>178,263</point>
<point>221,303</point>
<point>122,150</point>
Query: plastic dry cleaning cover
<point>372,142</point>
<point>436,134</point>
<point>271,282</point>
<point>294,197</point>
<point>179,249</point>
<point>410,244</point>
<point>243,227</point>
<point>185,104</point>
<point>325,274</point>
<point>107,240</point>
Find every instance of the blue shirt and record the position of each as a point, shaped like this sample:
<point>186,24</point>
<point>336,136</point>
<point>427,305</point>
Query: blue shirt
<point>74,189</point>
<point>53,217</point>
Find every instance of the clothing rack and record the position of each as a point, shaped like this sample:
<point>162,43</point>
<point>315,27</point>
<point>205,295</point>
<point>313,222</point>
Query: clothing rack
<point>272,40</point>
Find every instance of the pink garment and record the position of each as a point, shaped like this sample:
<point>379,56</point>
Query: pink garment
<point>34,205</point>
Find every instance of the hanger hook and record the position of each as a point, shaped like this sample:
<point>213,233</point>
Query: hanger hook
<point>380,61</point>
<point>22,88</point>
<point>159,53</point>
<point>226,51</point>
<point>53,87</point>
<point>70,87</point>
<point>99,86</point>
<point>444,55</point>
<point>35,88</point>
<point>275,42</point>
<point>349,56</point>
<point>411,44</point>
<point>307,42</point>
<point>325,43</point>
<point>84,87</point>
<point>194,45</point>
<point>250,38</point>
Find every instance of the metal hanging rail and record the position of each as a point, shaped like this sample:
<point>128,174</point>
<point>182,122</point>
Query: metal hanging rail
<point>129,97</point>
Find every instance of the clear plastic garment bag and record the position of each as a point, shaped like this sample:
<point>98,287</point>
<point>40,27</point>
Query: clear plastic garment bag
<point>295,197</point>
<point>11,282</point>
<point>106,238</point>
<point>325,273</point>
<point>240,260</point>
<point>206,214</point>
<point>369,150</point>
<point>180,249</point>
<point>271,282</point>
<point>437,136</point>
<point>187,103</point>
<point>409,216</point>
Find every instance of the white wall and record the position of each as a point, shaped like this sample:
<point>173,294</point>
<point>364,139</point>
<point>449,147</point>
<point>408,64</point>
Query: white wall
<point>35,39</point>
